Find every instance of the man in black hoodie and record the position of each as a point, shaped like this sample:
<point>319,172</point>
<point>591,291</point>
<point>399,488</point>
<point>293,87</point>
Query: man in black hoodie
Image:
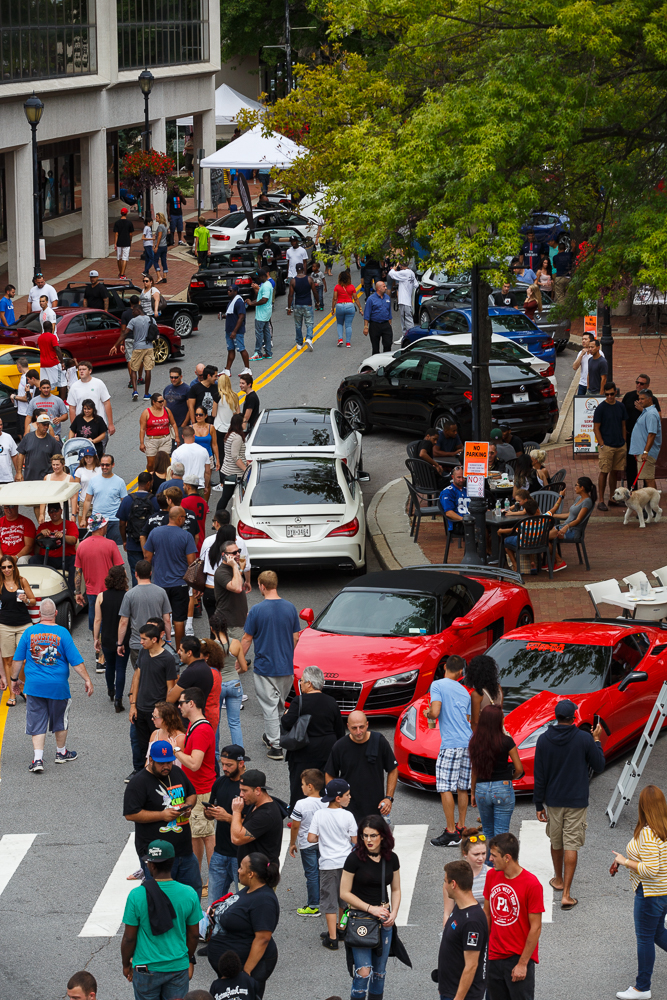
<point>563,755</point>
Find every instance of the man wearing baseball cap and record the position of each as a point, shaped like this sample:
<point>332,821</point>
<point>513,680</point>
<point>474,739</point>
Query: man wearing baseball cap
<point>261,829</point>
<point>122,240</point>
<point>161,929</point>
<point>158,801</point>
<point>563,755</point>
<point>223,868</point>
<point>96,293</point>
<point>94,557</point>
<point>334,830</point>
<point>36,450</point>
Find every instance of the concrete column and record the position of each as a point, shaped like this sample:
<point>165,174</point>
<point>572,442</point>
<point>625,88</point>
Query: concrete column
<point>94,195</point>
<point>204,138</point>
<point>18,177</point>
<point>159,143</point>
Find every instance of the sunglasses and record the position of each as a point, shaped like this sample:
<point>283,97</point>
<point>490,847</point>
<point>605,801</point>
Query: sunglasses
<point>612,393</point>
<point>233,552</point>
<point>172,377</point>
<point>639,382</point>
<point>479,836</point>
<point>106,465</point>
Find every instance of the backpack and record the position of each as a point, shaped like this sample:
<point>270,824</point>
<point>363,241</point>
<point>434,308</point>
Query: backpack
<point>140,511</point>
<point>153,332</point>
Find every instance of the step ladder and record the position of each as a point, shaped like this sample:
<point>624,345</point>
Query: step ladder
<point>632,772</point>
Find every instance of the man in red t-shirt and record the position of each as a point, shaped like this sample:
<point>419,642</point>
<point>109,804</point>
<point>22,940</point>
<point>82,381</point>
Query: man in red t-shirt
<point>197,759</point>
<point>194,502</point>
<point>50,355</point>
<point>514,904</point>
<point>17,533</point>
<point>94,557</point>
<point>53,528</point>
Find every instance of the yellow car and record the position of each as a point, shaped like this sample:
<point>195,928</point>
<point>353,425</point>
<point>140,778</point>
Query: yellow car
<point>9,355</point>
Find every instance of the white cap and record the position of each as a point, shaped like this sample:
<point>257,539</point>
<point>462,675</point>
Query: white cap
<point>94,274</point>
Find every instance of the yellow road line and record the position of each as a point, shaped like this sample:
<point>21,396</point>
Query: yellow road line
<point>3,714</point>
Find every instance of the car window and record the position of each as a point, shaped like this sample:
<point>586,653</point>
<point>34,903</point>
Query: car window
<point>526,667</point>
<point>455,603</point>
<point>460,294</point>
<point>350,480</point>
<point>31,355</point>
<point>405,368</point>
<point>453,321</point>
<point>100,321</point>
<point>626,655</point>
<point>70,297</point>
<point>31,323</point>
<point>294,430</point>
<point>512,350</point>
<point>296,483</point>
<point>546,299</point>
<point>233,259</point>
<point>513,323</point>
<point>434,371</point>
<point>229,221</point>
<point>77,324</point>
<point>344,429</point>
<point>364,612</point>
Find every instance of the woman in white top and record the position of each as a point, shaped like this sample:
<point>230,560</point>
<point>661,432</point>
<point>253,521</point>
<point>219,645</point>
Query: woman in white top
<point>59,475</point>
<point>148,246</point>
<point>227,407</point>
<point>149,297</point>
<point>473,849</point>
<point>234,463</point>
<point>89,466</point>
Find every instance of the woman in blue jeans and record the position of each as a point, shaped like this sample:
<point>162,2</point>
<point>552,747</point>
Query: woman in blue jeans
<point>647,865</point>
<point>344,304</point>
<point>234,663</point>
<point>495,764</point>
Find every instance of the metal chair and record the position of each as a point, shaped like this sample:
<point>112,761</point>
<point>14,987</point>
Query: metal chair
<point>579,542</point>
<point>456,532</point>
<point>412,448</point>
<point>597,591</point>
<point>425,479</point>
<point>661,575</point>
<point>636,579</point>
<point>533,539</point>
<point>529,446</point>
<point>545,499</point>
<point>432,510</point>
<point>510,465</point>
<point>559,477</point>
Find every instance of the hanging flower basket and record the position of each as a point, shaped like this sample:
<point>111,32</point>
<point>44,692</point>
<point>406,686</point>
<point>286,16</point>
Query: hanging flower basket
<point>141,170</point>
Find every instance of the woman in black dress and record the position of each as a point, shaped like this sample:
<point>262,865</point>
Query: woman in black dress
<point>105,633</point>
<point>325,728</point>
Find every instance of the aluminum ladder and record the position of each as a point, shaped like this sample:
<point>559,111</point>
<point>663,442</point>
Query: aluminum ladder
<point>632,772</point>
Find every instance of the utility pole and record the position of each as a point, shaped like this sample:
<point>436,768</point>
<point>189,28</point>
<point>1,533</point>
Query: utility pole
<point>288,49</point>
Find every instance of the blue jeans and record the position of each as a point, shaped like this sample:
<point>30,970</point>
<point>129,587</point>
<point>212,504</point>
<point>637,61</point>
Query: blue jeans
<point>160,985</point>
<point>344,317</point>
<point>91,610</point>
<point>495,801</point>
<point>184,870</point>
<point>650,931</point>
<point>160,257</point>
<point>319,295</point>
<point>302,313</point>
<point>262,336</point>
<point>581,390</point>
<point>113,531</point>
<point>310,861</point>
<point>138,762</point>
<point>222,872</point>
<point>148,259</point>
<point>367,958</point>
<point>231,694</point>
<point>115,667</point>
<point>133,558</point>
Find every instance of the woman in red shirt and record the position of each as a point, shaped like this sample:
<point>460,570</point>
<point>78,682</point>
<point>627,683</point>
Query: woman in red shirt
<point>344,303</point>
<point>155,424</point>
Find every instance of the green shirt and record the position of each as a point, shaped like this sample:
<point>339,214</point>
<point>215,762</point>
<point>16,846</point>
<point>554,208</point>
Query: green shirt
<point>263,312</point>
<point>204,236</point>
<point>167,952</point>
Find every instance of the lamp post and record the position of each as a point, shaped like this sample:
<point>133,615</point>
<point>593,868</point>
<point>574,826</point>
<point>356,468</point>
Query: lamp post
<point>146,83</point>
<point>33,108</point>
<point>607,342</point>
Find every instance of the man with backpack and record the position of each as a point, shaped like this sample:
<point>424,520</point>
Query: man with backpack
<point>133,513</point>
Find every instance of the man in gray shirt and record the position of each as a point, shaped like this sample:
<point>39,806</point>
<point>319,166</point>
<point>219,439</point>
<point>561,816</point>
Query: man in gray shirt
<point>142,602</point>
<point>142,353</point>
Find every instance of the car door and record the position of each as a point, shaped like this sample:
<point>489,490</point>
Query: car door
<point>626,712</point>
<point>394,398</point>
<point>424,398</point>
<point>350,442</point>
<point>451,322</point>
<point>73,336</point>
<point>103,332</point>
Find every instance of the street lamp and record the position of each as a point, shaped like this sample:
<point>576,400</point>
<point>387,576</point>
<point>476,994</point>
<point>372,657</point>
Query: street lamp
<point>146,83</point>
<point>33,108</point>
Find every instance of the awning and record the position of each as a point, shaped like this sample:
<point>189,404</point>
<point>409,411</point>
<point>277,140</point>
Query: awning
<point>29,494</point>
<point>228,103</point>
<point>253,150</point>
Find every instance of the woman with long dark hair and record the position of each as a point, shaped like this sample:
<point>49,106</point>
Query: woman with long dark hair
<point>523,470</point>
<point>233,663</point>
<point>233,463</point>
<point>105,633</point>
<point>570,528</point>
<point>482,677</point>
<point>15,599</point>
<point>162,461</point>
<point>495,764</point>
<point>362,888</point>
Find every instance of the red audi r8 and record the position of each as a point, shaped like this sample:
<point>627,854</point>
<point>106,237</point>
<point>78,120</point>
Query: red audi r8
<point>386,636</point>
<point>610,668</point>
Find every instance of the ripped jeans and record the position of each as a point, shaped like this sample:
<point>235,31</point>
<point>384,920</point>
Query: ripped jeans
<point>373,985</point>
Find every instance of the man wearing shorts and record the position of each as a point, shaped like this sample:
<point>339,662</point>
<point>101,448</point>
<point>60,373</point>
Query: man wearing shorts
<point>450,702</point>
<point>235,332</point>
<point>122,240</point>
<point>47,651</point>
<point>610,433</point>
<point>646,439</point>
<point>142,353</point>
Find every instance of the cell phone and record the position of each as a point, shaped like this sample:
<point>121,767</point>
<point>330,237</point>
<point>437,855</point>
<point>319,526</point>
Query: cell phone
<point>207,805</point>
<point>596,721</point>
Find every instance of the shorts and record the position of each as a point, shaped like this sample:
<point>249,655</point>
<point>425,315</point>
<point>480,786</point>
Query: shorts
<point>176,223</point>
<point>236,343</point>
<point>128,348</point>
<point>227,191</point>
<point>53,375</point>
<point>123,253</point>
<point>143,356</point>
<point>199,825</point>
<point>46,715</point>
<point>330,901</point>
<point>178,598</point>
<point>612,459</point>
<point>566,828</point>
<point>648,471</point>
<point>155,444</point>
<point>9,638</point>
<point>453,770</point>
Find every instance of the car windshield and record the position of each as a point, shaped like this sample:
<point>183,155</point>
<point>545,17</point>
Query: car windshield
<point>31,322</point>
<point>296,483</point>
<point>515,323</point>
<point>514,351</point>
<point>372,612</point>
<point>526,667</point>
<point>294,430</point>
<point>228,221</point>
<point>243,258</point>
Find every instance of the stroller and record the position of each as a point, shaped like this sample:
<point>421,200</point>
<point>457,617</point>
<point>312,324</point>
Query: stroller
<point>71,451</point>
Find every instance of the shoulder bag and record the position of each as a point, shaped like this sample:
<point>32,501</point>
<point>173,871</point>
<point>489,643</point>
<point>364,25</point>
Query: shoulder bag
<point>297,737</point>
<point>363,929</point>
<point>195,576</point>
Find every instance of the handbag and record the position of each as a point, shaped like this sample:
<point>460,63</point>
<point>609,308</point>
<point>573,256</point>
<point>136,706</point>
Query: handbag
<point>363,929</point>
<point>297,737</point>
<point>195,576</point>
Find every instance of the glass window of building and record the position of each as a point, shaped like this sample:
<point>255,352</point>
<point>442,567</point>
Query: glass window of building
<point>161,32</point>
<point>47,39</point>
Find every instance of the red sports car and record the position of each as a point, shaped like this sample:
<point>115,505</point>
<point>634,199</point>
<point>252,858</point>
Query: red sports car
<point>613,669</point>
<point>385,636</point>
<point>89,335</point>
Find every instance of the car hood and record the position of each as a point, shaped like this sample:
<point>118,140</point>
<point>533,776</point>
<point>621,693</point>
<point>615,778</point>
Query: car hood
<point>541,708</point>
<point>363,657</point>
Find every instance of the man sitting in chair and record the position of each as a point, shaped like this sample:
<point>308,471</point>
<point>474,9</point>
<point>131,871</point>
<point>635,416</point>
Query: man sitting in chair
<point>454,501</point>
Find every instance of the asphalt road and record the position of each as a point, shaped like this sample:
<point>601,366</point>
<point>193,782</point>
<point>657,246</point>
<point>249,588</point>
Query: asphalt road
<point>66,833</point>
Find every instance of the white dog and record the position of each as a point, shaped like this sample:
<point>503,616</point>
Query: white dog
<point>643,502</point>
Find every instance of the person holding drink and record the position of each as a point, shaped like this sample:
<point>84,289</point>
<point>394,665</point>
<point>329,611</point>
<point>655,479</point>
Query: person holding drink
<point>15,599</point>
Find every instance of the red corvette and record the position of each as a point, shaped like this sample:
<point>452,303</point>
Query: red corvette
<point>385,636</point>
<point>611,668</point>
<point>89,334</point>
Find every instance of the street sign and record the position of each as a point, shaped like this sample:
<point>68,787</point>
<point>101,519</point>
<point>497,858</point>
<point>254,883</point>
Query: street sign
<point>476,460</point>
<point>475,485</point>
<point>591,325</point>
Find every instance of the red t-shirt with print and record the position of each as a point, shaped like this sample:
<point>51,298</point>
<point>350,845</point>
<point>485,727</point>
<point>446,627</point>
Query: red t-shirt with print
<point>510,901</point>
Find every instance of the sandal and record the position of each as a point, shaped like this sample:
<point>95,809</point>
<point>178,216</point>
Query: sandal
<point>569,906</point>
<point>555,887</point>
<point>21,695</point>
<point>11,702</point>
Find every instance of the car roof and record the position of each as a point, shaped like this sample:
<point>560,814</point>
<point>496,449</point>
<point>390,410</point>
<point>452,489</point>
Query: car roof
<point>493,311</point>
<point>307,414</point>
<point>588,632</point>
<point>413,579</point>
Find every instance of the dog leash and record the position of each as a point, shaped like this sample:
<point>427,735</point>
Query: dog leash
<point>638,475</point>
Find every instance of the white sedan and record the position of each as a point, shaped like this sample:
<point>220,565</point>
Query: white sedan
<point>301,512</point>
<point>230,230</point>
<point>514,352</point>
<point>305,430</point>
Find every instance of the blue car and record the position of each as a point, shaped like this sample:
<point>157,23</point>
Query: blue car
<point>546,226</point>
<point>509,322</point>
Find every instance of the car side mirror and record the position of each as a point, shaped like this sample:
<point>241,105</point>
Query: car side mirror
<point>363,477</point>
<point>308,615</point>
<point>380,371</point>
<point>461,623</point>
<point>633,678</point>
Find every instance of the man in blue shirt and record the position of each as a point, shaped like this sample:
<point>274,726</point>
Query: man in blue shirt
<point>47,650</point>
<point>377,318</point>
<point>134,511</point>
<point>646,438</point>
<point>449,445</point>
<point>7,316</point>
<point>175,396</point>
<point>171,550</point>
<point>235,331</point>
<point>105,494</point>
<point>453,499</point>
<point>274,627</point>
<point>450,702</point>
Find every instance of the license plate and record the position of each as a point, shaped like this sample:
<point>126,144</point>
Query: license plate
<point>520,397</point>
<point>220,281</point>
<point>298,531</point>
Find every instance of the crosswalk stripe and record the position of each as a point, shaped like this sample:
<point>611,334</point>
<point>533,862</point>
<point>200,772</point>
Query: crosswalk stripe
<point>283,847</point>
<point>409,844</point>
<point>535,856</point>
<point>13,849</point>
<point>107,914</point>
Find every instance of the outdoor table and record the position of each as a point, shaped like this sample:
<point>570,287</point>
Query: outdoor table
<point>651,608</point>
<point>493,522</point>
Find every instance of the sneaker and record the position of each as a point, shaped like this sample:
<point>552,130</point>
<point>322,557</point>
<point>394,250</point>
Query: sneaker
<point>561,564</point>
<point>399,341</point>
<point>276,753</point>
<point>255,357</point>
<point>348,345</point>
<point>64,758</point>
<point>226,371</point>
<point>266,741</point>
<point>36,766</point>
<point>147,397</point>
<point>308,911</point>
<point>141,381</point>
<point>204,891</point>
<point>340,343</point>
<point>328,943</point>
<point>244,698</point>
<point>309,345</point>
<point>182,243</point>
<point>129,385</point>
<point>130,776</point>
<point>446,839</point>
<point>246,371</point>
<point>189,629</point>
<point>632,994</point>
<point>602,506</point>
<point>99,667</point>
<point>267,357</point>
<point>217,489</point>
<point>135,397</point>
<point>339,930</point>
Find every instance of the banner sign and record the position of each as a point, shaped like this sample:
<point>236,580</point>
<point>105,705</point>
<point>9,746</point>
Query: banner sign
<point>476,460</point>
<point>244,195</point>
<point>584,437</point>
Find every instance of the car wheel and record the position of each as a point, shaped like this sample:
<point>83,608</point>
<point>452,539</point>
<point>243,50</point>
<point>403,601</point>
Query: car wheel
<point>424,319</point>
<point>64,616</point>
<point>443,419</point>
<point>161,350</point>
<point>355,413</point>
<point>525,618</point>
<point>560,346</point>
<point>183,324</point>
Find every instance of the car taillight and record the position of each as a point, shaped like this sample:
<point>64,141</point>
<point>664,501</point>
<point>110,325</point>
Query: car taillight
<point>220,236</point>
<point>468,395</point>
<point>344,461</point>
<point>243,281</point>
<point>349,528</point>
<point>246,531</point>
<point>548,344</point>
<point>197,284</point>
<point>426,291</point>
<point>495,396</point>
<point>551,370</point>
<point>548,391</point>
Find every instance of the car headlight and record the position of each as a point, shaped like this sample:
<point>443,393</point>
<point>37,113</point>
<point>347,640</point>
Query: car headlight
<point>407,678</point>
<point>409,723</point>
<point>531,740</point>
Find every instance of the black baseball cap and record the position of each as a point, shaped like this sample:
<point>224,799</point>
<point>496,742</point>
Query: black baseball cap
<point>233,751</point>
<point>565,709</point>
<point>254,779</point>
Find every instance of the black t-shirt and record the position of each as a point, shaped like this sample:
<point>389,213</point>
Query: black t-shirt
<point>162,518</point>
<point>197,675</point>
<point>507,299</point>
<point>232,606</point>
<point>426,446</point>
<point>597,367</point>
<point>267,254</point>
<point>466,930</point>
<point>243,916</point>
<point>125,318</point>
<point>368,877</point>
<point>265,824</point>
<point>95,295</point>
<point>349,760</point>
<point>155,672</point>
<point>241,987</point>
<point>204,396</point>
<point>610,417</point>
<point>124,228</point>
<point>503,768</point>
<point>222,793</point>
<point>515,443</point>
<point>146,791</point>
<point>89,429</point>
<point>251,401</point>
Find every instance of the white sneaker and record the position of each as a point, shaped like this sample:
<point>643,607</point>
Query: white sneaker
<point>632,994</point>
<point>244,698</point>
<point>226,371</point>
<point>247,371</point>
<point>217,489</point>
<point>189,629</point>
<point>309,345</point>
<point>399,341</point>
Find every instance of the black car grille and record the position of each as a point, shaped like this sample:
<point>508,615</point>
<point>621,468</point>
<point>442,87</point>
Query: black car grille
<point>346,694</point>
<point>422,765</point>
<point>391,696</point>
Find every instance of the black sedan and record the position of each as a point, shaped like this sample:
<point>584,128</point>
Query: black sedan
<point>422,389</point>
<point>212,286</point>
<point>183,317</point>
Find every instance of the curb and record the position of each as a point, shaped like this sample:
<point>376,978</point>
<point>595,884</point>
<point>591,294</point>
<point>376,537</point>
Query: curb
<point>389,528</point>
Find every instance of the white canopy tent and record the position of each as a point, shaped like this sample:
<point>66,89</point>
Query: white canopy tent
<point>252,151</point>
<point>228,103</point>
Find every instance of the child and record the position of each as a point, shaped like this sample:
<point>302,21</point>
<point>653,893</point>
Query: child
<point>335,829</point>
<point>232,982</point>
<point>320,283</point>
<point>530,508</point>
<point>312,783</point>
<point>202,242</point>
